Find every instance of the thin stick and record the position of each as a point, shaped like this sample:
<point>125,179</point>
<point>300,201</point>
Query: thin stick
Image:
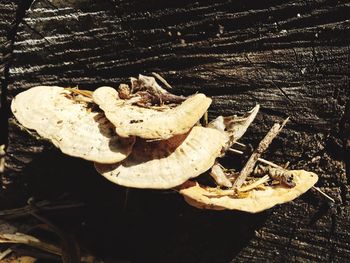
<point>19,238</point>
<point>161,79</point>
<point>278,166</point>
<point>259,159</point>
<point>205,119</point>
<point>240,144</point>
<point>263,145</point>
<point>70,251</point>
<point>2,158</point>
<point>255,184</point>
<point>245,188</point>
<point>42,205</point>
<point>5,253</point>
<point>86,93</point>
<point>324,194</point>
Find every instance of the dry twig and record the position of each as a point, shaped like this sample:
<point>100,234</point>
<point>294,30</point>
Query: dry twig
<point>70,249</point>
<point>41,205</point>
<point>255,184</point>
<point>259,159</point>
<point>323,193</point>
<point>5,253</point>
<point>161,79</point>
<point>278,166</point>
<point>70,252</point>
<point>2,158</point>
<point>263,145</point>
<point>20,238</point>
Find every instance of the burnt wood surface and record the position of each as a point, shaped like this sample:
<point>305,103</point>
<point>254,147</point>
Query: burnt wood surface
<point>292,57</point>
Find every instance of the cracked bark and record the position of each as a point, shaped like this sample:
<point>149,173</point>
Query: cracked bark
<point>240,53</point>
<point>10,23</point>
<point>7,16</point>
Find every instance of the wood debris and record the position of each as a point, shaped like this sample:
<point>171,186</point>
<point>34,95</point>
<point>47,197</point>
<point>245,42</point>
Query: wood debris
<point>20,238</point>
<point>263,145</point>
<point>257,194</point>
<point>271,164</point>
<point>2,158</point>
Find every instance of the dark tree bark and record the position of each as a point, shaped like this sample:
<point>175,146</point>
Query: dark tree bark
<point>292,57</point>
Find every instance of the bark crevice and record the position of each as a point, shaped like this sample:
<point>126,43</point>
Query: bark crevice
<point>7,51</point>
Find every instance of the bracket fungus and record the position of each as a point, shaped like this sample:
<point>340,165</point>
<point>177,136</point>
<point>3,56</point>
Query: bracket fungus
<point>253,201</point>
<point>147,137</point>
<point>70,125</point>
<point>164,164</point>
<point>149,123</point>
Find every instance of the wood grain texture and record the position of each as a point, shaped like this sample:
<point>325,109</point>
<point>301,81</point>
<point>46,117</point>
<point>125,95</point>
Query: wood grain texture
<point>292,57</point>
<point>7,22</point>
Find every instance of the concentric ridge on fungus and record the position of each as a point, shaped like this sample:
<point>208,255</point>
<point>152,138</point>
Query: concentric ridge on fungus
<point>167,163</point>
<point>69,125</point>
<point>148,123</point>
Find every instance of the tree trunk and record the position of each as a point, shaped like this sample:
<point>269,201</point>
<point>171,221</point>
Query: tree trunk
<point>292,57</point>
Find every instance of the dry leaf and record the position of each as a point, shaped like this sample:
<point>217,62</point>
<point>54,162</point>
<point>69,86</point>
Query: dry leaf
<point>69,125</point>
<point>167,163</point>
<point>148,123</point>
<point>256,201</point>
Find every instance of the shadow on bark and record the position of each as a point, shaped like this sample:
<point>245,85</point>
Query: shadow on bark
<point>135,225</point>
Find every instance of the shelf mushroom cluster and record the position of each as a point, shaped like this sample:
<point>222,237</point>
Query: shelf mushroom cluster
<point>145,137</point>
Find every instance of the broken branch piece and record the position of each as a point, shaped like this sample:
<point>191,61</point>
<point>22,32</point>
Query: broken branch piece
<point>161,79</point>
<point>263,145</point>
<point>153,93</point>
<point>20,238</point>
<point>259,159</point>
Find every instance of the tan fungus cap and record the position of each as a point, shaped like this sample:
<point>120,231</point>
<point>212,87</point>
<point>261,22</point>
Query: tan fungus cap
<point>167,163</point>
<point>69,125</point>
<point>148,123</point>
<point>257,200</point>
